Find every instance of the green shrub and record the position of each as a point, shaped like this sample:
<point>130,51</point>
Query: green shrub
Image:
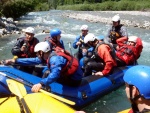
<point>17,8</point>
<point>86,7</point>
<point>42,7</point>
<point>125,5</point>
<point>79,7</point>
<point>115,5</point>
<point>107,5</point>
<point>97,7</point>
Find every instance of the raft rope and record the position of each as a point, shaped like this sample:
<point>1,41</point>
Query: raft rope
<point>24,80</point>
<point>18,77</point>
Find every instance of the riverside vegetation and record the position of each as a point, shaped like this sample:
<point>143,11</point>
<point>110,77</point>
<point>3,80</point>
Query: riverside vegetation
<point>17,8</point>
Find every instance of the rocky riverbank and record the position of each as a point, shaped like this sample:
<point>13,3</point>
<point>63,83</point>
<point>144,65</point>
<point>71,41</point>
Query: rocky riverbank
<point>128,18</point>
<point>8,26</point>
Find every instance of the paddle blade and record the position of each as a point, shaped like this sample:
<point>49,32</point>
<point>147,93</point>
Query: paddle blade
<point>16,88</point>
<point>58,97</point>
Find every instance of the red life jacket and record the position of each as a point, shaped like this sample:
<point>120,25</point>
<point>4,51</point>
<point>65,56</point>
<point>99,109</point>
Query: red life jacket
<point>30,49</point>
<point>53,42</point>
<point>71,65</point>
<point>127,53</point>
<point>139,46</point>
<point>97,58</point>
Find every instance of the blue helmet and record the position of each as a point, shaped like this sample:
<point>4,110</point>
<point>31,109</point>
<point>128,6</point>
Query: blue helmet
<point>139,76</point>
<point>55,32</point>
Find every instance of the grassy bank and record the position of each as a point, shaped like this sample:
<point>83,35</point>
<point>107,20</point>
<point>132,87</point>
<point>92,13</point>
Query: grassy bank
<point>110,5</point>
<point>17,8</point>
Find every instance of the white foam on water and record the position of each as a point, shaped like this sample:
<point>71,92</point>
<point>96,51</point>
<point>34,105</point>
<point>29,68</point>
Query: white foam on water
<point>8,44</point>
<point>146,46</point>
<point>68,36</point>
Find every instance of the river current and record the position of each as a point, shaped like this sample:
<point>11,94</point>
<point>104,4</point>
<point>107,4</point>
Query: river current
<point>110,103</point>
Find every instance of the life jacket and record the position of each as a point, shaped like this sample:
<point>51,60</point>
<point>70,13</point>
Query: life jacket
<point>29,48</point>
<point>71,65</point>
<point>80,39</point>
<point>99,59</point>
<point>53,43</point>
<point>115,33</point>
<point>83,45</point>
<point>127,54</point>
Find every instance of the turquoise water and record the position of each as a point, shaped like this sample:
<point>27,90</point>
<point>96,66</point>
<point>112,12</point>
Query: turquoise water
<point>111,103</point>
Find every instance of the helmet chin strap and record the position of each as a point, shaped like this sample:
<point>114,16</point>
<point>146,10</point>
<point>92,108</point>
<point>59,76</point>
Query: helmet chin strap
<point>54,39</point>
<point>41,56</point>
<point>133,105</point>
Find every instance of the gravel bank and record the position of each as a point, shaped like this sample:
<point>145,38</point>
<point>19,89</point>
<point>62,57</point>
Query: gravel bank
<point>138,19</point>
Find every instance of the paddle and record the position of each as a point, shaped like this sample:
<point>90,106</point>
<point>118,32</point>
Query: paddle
<point>13,64</point>
<point>43,91</point>
<point>19,90</point>
<point>70,48</point>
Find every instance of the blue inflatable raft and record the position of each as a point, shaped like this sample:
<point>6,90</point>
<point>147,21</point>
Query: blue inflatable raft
<point>91,88</point>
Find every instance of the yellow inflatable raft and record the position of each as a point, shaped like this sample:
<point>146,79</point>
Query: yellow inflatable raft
<point>125,111</point>
<point>37,103</point>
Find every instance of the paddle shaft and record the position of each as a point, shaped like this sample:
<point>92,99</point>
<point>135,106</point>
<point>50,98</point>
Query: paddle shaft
<point>69,43</point>
<point>23,108</point>
<point>25,105</point>
<point>13,64</point>
<point>41,90</point>
<point>38,66</point>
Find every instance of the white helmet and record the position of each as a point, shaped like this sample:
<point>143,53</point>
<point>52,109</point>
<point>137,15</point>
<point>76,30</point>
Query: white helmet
<point>84,27</point>
<point>132,38</point>
<point>42,46</point>
<point>116,18</point>
<point>29,30</point>
<point>89,37</point>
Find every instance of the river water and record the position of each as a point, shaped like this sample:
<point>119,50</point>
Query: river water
<point>111,103</point>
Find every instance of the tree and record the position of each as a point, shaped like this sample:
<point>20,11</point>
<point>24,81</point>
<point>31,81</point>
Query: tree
<point>61,2</point>
<point>55,3</point>
<point>78,1</point>
<point>15,9</point>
